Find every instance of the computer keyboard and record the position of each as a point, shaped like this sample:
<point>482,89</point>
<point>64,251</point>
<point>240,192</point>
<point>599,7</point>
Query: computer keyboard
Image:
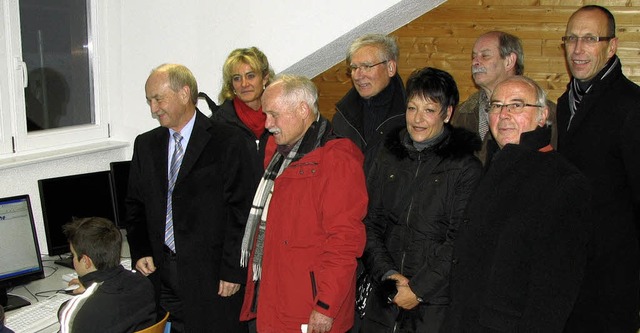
<point>37,316</point>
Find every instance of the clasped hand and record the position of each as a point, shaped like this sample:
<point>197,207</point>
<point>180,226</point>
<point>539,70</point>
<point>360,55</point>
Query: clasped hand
<point>405,298</point>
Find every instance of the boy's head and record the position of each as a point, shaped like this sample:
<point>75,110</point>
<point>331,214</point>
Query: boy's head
<point>95,244</point>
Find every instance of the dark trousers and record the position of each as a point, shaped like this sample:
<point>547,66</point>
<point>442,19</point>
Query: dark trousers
<point>170,299</point>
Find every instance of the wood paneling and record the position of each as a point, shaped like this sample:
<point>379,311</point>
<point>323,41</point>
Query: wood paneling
<point>444,37</point>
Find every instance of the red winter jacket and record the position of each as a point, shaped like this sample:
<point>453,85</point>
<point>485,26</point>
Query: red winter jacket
<point>314,234</point>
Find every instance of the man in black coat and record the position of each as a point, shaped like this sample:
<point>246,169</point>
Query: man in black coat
<point>372,108</point>
<point>188,199</point>
<point>377,102</point>
<point>519,258</point>
<point>599,132</point>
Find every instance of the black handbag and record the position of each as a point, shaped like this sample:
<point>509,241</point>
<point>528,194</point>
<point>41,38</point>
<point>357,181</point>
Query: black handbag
<point>363,289</point>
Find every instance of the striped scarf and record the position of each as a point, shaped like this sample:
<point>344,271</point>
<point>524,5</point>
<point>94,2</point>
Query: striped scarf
<point>257,221</point>
<point>576,92</point>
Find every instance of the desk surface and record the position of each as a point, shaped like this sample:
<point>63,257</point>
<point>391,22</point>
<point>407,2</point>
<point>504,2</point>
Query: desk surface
<point>51,283</point>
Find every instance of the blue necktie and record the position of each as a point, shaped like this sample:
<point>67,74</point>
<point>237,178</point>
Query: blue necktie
<point>176,160</point>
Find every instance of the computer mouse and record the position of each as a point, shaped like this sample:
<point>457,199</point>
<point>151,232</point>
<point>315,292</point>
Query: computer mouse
<point>71,288</point>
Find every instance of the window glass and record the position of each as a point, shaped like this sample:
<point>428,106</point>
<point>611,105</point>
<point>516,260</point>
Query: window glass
<point>56,51</point>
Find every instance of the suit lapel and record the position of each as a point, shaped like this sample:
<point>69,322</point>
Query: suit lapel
<point>160,153</point>
<point>198,141</point>
<point>586,105</point>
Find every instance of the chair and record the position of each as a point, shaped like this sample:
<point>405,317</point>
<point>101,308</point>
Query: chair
<point>158,327</point>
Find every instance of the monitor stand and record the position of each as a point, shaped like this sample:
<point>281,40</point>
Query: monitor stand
<point>11,302</point>
<point>66,262</point>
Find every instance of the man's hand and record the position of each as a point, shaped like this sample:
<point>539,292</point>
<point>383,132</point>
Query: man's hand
<point>227,289</point>
<point>78,290</point>
<point>319,323</point>
<point>145,265</point>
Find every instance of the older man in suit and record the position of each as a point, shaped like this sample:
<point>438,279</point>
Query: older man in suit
<point>187,204</point>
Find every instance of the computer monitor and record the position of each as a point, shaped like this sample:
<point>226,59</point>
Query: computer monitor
<point>119,184</point>
<point>20,260</point>
<point>75,196</point>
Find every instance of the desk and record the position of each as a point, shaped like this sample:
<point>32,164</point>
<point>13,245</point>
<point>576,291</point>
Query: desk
<point>51,283</point>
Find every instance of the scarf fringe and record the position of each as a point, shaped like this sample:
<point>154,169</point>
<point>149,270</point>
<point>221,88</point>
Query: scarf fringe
<point>257,271</point>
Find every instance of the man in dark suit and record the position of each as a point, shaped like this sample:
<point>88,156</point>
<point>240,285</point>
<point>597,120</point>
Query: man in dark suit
<point>188,199</point>
<point>598,122</point>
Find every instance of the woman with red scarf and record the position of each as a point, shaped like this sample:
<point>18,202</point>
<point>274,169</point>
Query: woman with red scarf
<point>245,74</point>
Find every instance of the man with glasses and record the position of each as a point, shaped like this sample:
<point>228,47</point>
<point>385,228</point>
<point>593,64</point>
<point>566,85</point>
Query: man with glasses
<point>520,254</point>
<point>496,56</point>
<point>599,132</point>
<point>377,102</point>
<point>374,106</point>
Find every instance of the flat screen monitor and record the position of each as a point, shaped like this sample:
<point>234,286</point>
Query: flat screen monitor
<point>20,260</point>
<point>75,196</point>
<point>120,183</point>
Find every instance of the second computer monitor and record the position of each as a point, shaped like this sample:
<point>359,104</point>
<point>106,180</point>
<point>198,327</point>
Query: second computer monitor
<point>120,183</point>
<point>76,196</point>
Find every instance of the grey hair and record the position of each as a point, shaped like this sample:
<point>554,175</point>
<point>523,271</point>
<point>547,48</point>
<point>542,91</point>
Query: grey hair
<point>387,46</point>
<point>297,88</point>
<point>507,44</point>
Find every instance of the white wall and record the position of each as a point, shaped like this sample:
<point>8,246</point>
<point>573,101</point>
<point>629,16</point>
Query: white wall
<point>305,37</point>
<point>201,33</point>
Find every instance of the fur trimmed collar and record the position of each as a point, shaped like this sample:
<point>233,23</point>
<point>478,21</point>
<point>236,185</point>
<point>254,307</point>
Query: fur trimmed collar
<point>456,142</point>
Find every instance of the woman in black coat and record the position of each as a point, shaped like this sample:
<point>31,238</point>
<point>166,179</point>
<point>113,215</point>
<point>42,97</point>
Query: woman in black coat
<point>418,188</point>
<point>246,73</point>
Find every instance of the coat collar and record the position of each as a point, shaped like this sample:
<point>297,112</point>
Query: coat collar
<point>351,104</point>
<point>598,88</point>
<point>456,142</point>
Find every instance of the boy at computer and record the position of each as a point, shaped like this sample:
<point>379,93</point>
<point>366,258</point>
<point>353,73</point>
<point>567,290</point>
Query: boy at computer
<point>115,299</point>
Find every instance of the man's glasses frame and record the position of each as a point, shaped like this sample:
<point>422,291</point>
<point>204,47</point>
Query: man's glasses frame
<point>516,107</point>
<point>365,67</point>
<point>589,40</point>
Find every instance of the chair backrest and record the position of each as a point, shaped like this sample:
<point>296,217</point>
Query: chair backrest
<point>158,327</point>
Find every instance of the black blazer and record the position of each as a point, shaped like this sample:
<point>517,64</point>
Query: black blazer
<point>211,201</point>
<point>604,143</point>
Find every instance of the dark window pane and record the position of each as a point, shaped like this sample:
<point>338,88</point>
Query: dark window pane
<point>55,48</point>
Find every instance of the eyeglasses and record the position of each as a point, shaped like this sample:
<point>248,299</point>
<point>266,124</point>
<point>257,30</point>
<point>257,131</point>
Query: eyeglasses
<point>589,40</point>
<point>517,107</point>
<point>365,67</point>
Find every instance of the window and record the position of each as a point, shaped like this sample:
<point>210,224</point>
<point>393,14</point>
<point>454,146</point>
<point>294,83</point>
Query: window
<point>49,99</point>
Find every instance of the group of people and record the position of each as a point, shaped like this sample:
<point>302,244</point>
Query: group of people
<point>498,215</point>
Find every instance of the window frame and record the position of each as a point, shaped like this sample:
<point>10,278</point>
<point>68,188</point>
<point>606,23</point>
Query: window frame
<point>14,137</point>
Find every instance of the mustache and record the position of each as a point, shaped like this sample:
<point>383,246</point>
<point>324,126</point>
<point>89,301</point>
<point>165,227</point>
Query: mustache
<point>475,70</point>
<point>274,130</point>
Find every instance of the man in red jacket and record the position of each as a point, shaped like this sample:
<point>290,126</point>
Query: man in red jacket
<point>305,228</point>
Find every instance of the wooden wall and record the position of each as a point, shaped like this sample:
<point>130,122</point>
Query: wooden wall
<point>444,37</point>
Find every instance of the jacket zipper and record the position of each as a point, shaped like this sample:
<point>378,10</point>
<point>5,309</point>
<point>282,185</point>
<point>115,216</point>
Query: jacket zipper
<point>314,290</point>
<point>404,252</point>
